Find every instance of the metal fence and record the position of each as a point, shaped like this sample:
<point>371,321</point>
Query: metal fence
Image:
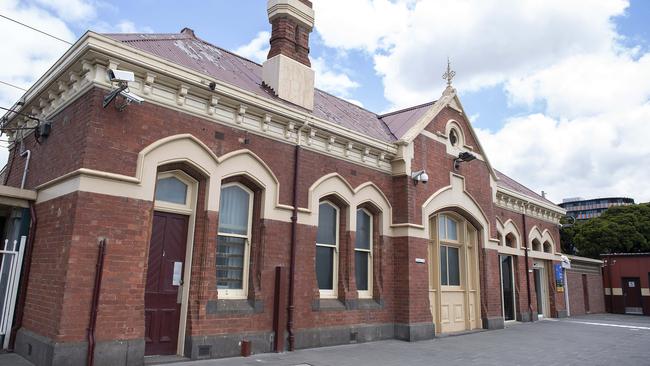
<point>11,262</point>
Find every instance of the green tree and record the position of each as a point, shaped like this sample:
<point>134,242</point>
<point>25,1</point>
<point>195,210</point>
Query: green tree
<point>620,229</point>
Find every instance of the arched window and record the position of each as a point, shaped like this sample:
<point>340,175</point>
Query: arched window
<point>173,191</point>
<point>233,243</point>
<point>453,137</point>
<point>449,253</point>
<point>511,240</point>
<point>548,247</point>
<point>327,244</point>
<point>537,246</point>
<point>363,253</point>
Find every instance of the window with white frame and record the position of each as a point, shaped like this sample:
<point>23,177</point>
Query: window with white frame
<point>174,191</point>
<point>447,228</point>
<point>327,243</point>
<point>233,241</point>
<point>449,254</point>
<point>363,253</point>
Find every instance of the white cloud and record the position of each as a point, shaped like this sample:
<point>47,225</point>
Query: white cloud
<point>562,59</point>
<point>488,41</point>
<point>331,81</point>
<point>327,77</point>
<point>586,84</point>
<point>602,155</point>
<point>71,10</point>
<point>257,49</point>
<point>27,54</point>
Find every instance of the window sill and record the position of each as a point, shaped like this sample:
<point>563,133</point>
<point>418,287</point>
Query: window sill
<point>352,304</point>
<point>234,307</point>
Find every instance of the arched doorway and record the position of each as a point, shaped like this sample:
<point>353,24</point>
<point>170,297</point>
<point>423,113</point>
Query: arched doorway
<point>169,262</point>
<point>453,273</point>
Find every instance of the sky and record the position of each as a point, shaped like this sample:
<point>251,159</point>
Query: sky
<point>558,91</point>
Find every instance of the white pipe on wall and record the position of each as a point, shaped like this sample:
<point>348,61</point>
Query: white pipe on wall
<point>29,156</point>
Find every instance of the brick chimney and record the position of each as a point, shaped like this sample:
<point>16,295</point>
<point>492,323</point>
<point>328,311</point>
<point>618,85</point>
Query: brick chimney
<point>287,69</point>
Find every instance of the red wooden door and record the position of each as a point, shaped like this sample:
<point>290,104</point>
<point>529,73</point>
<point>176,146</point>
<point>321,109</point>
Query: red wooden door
<point>162,308</point>
<point>632,292</point>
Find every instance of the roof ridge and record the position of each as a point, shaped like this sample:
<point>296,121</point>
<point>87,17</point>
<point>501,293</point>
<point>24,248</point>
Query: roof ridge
<point>172,36</point>
<point>406,109</point>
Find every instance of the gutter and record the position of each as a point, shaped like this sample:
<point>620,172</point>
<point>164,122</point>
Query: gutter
<point>530,307</point>
<point>294,228</point>
<point>90,357</point>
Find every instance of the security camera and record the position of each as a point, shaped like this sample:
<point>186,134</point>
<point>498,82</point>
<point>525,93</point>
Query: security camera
<point>121,76</point>
<point>420,176</point>
<point>132,98</point>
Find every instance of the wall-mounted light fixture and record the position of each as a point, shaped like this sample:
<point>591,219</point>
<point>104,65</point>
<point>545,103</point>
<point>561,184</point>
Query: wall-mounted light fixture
<point>420,176</point>
<point>463,158</point>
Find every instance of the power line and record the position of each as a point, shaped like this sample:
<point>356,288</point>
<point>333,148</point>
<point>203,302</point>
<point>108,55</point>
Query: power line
<point>37,30</point>
<point>12,85</point>
<point>20,113</point>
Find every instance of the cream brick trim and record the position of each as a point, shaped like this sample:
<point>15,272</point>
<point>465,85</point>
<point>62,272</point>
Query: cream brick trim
<point>168,84</point>
<point>517,202</point>
<point>449,98</point>
<point>617,291</point>
<point>506,228</point>
<point>456,197</point>
<point>608,291</point>
<point>293,8</point>
<point>542,237</point>
<point>335,184</point>
<point>645,292</point>
<point>175,149</point>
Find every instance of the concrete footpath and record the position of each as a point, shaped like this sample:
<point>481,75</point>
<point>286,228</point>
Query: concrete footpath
<point>603,339</point>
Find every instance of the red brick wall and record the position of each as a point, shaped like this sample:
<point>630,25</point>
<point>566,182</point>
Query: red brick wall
<point>65,250</point>
<point>576,293</point>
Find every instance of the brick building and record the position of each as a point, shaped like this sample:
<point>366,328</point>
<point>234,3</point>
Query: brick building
<point>241,203</point>
<point>626,277</point>
<point>585,286</point>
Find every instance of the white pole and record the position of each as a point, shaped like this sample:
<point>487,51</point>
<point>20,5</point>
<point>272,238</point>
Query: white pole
<point>16,279</point>
<point>566,293</point>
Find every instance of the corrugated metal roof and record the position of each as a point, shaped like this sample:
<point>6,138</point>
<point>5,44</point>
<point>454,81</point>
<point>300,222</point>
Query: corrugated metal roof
<point>399,122</point>
<point>511,184</point>
<point>188,50</point>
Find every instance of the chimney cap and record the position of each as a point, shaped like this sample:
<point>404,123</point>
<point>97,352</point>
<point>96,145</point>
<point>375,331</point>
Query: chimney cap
<point>299,10</point>
<point>188,31</point>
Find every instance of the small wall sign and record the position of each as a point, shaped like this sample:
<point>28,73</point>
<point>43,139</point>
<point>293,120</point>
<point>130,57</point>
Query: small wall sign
<point>559,278</point>
<point>631,284</point>
<point>420,260</point>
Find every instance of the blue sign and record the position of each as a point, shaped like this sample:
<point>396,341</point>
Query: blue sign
<point>559,277</point>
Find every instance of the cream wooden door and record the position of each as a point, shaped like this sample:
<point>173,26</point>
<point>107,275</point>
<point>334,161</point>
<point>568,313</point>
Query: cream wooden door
<point>453,274</point>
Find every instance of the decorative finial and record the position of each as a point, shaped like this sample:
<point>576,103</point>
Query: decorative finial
<point>449,75</point>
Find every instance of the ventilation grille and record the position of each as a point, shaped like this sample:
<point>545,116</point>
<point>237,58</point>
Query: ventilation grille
<point>204,351</point>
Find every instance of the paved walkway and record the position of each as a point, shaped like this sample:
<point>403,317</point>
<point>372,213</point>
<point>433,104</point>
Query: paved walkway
<point>603,339</point>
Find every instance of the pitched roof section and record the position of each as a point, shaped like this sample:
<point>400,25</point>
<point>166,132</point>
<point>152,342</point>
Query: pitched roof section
<point>188,50</point>
<point>399,122</point>
<point>511,184</point>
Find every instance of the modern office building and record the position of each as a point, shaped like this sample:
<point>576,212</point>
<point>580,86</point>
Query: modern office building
<point>583,209</point>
